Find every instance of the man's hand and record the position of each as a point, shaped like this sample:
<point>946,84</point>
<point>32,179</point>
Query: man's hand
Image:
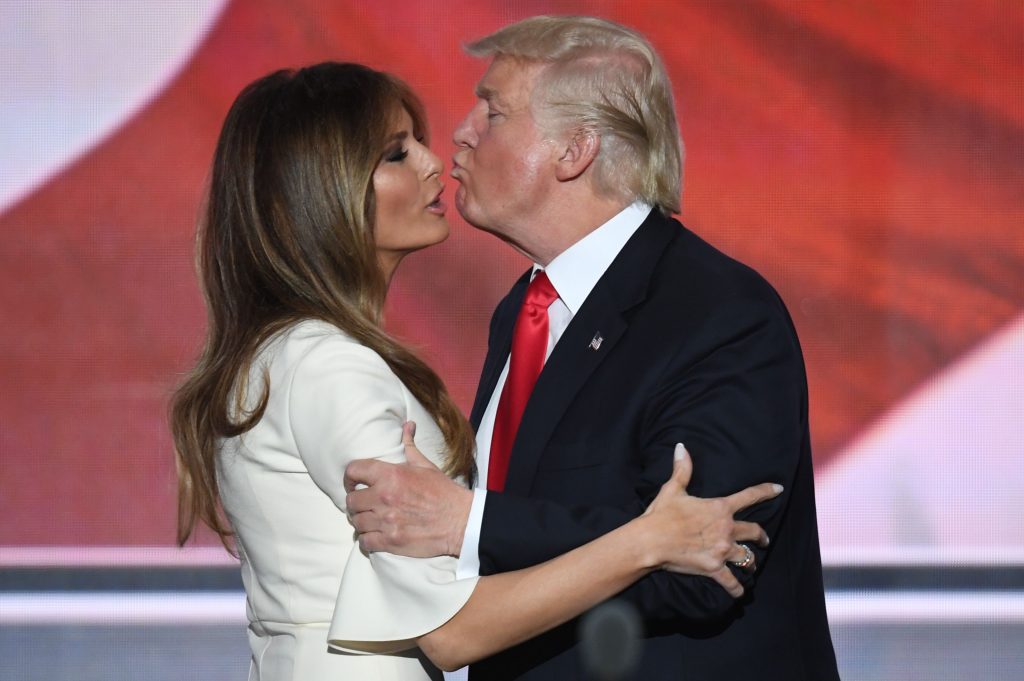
<point>410,509</point>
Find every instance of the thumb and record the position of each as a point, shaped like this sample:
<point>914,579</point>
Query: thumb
<point>413,455</point>
<point>409,434</point>
<point>676,484</point>
<point>682,468</point>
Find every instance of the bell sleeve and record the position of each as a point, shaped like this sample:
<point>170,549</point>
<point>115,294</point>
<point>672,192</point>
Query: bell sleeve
<point>345,403</point>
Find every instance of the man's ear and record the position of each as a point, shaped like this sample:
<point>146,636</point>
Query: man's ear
<point>579,153</point>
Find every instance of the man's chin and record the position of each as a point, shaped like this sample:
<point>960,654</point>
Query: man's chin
<point>472,214</point>
<point>466,210</point>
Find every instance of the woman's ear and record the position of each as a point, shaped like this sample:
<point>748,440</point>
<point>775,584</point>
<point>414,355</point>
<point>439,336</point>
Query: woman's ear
<point>579,153</point>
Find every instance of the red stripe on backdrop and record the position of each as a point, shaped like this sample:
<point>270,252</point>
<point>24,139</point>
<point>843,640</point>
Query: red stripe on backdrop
<point>885,208</point>
<point>876,181</point>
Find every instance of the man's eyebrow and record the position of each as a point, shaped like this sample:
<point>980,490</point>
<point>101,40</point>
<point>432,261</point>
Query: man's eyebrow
<point>488,94</point>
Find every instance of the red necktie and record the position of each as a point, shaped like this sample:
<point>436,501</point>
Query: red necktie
<point>529,346</point>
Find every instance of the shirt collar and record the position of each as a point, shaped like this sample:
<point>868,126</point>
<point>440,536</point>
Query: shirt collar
<point>576,270</point>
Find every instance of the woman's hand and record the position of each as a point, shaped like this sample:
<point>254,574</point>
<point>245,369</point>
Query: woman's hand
<point>699,536</point>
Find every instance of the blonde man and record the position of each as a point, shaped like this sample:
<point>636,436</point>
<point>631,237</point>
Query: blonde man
<point>571,155</point>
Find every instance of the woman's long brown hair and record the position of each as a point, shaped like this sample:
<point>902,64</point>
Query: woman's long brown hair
<point>288,235</point>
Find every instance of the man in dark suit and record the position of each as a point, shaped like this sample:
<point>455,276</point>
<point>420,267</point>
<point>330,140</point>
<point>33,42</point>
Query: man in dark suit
<point>571,155</point>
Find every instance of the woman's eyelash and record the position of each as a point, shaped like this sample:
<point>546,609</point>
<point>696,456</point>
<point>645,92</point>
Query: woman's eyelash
<point>397,155</point>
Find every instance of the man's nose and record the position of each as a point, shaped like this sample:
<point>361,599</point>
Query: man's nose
<point>465,134</point>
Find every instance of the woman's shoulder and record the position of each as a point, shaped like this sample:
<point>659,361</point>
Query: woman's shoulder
<point>316,337</point>
<point>313,346</point>
<point>312,331</point>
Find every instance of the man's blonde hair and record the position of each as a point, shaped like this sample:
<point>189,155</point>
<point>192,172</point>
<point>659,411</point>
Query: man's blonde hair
<point>605,78</point>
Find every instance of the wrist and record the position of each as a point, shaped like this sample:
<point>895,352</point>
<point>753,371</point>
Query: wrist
<point>647,542</point>
<point>457,532</point>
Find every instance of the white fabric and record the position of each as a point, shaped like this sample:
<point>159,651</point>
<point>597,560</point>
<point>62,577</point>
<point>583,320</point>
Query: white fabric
<point>331,400</point>
<point>573,273</point>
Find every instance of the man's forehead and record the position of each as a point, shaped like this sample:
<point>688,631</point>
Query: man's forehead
<point>506,80</point>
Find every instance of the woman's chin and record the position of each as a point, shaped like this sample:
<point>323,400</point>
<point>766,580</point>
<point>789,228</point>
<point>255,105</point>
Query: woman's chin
<point>441,233</point>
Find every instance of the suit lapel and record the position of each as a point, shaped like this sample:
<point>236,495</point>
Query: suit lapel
<point>575,357</point>
<point>499,346</point>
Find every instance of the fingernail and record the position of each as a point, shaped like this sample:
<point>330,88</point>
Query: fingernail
<point>680,452</point>
<point>777,488</point>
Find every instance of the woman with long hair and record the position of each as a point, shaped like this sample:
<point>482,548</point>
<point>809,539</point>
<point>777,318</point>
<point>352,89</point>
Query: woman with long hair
<point>321,184</point>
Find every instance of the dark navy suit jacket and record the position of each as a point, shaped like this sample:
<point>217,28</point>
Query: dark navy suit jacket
<point>697,348</point>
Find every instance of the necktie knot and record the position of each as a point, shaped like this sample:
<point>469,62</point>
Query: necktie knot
<point>540,292</point>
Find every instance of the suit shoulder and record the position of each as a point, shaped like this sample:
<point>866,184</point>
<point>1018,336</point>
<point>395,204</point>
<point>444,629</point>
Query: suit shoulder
<point>695,269</point>
<point>713,299</point>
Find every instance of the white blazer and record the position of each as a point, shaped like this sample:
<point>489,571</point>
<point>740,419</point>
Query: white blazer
<point>316,604</point>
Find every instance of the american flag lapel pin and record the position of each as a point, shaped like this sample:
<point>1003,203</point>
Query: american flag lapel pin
<point>595,344</point>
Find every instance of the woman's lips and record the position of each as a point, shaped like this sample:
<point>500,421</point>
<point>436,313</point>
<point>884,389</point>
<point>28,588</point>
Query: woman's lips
<point>437,206</point>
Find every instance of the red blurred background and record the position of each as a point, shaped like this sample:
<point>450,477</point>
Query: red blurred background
<point>867,158</point>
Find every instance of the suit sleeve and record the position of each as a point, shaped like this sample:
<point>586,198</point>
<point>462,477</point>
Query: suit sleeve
<point>345,403</point>
<point>739,405</point>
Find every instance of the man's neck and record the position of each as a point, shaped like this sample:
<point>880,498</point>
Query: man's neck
<point>567,224</point>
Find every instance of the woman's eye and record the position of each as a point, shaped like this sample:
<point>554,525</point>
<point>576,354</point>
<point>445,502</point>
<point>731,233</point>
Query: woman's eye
<point>397,156</point>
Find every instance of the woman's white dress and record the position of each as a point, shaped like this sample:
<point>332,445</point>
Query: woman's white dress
<point>316,604</point>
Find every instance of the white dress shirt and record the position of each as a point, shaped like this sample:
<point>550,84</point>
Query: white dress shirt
<point>573,273</point>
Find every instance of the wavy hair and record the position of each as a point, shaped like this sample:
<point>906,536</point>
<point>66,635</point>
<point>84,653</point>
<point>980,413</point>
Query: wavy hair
<point>288,235</point>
